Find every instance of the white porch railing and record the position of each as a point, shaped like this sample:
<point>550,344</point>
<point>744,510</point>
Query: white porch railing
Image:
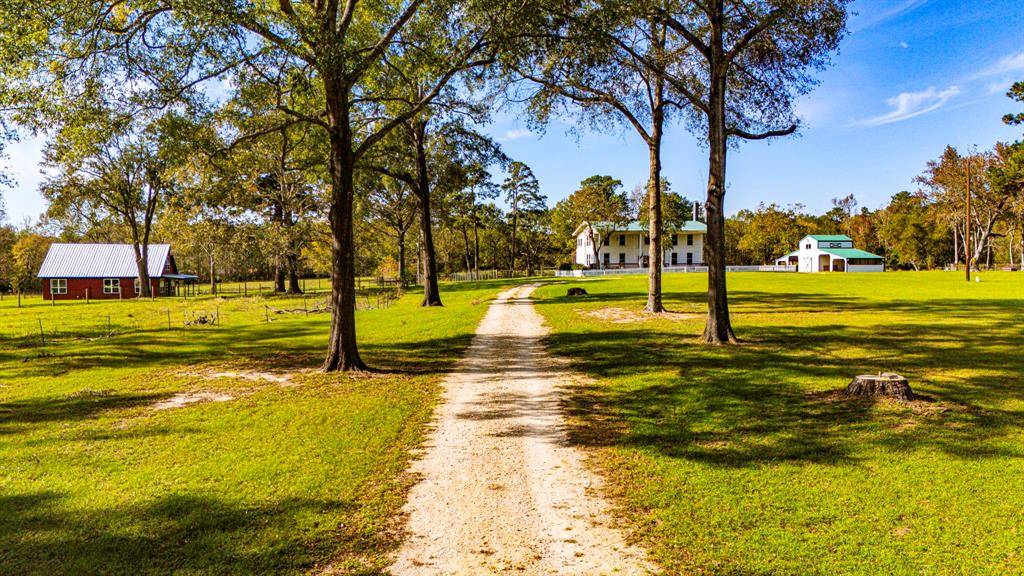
<point>667,269</point>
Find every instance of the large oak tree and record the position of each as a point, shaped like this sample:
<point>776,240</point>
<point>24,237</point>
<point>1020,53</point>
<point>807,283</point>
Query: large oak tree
<point>163,51</point>
<point>748,62</point>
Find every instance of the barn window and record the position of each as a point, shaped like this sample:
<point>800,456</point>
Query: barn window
<point>138,286</point>
<point>111,286</point>
<point>58,286</point>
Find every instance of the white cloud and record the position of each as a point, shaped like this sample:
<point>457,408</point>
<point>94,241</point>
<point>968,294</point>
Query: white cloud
<point>873,16</point>
<point>908,105</point>
<point>514,135</point>
<point>904,45</point>
<point>998,87</point>
<point>1007,64</point>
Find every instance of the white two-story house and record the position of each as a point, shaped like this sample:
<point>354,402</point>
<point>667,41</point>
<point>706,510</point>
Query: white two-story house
<point>831,253</point>
<point>629,246</point>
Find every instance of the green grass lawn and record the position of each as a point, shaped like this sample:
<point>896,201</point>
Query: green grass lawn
<point>742,461</point>
<point>281,479</point>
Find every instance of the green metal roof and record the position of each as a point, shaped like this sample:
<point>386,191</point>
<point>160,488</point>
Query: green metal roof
<point>851,253</point>
<point>832,237</point>
<point>689,226</point>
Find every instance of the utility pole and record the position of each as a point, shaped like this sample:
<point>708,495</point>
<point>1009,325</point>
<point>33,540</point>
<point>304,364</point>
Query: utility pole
<point>967,223</point>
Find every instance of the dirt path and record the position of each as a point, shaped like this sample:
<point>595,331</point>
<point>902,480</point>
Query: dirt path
<point>502,491</point>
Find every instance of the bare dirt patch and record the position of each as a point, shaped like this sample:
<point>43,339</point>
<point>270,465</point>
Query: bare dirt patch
<point>617,315</point>
<point>258,376</point>
<point>185,398</point>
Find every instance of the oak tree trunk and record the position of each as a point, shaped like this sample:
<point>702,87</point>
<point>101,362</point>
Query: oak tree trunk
<point>655,254</point>
<point>431,292</point>
<point>277,217</point>
<point>213,274</point>
<point>401,256</point>
<point>293,273</point>
<point>342,350</point>
<point>718,329</point>
<point>141,248</point>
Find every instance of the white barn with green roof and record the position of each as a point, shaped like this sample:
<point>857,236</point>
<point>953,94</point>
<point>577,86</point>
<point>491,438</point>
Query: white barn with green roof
<point>627,246</point>
<point>831,253</point>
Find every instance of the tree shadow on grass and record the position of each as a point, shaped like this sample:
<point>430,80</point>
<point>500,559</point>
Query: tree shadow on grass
<point>18,415</point>
<point>178,533</point>
<point>290,347</point>
<point>755,404</point>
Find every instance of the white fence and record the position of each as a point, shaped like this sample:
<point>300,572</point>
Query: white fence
<point>622,271</point>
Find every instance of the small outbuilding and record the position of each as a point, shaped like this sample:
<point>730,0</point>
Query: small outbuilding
<point>108,271</point>
<point>831,253</point>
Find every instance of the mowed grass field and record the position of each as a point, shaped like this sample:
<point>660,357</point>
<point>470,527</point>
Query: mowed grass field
<point>743,460</point>
<point>272,468</point>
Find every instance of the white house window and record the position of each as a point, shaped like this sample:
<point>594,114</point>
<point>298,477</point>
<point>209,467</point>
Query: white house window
<point>58,286</point>
<point>808,246</point>
<point>111,286</point>
<point>622,239</point>
<point>689,239</point>
<point>675,239</point>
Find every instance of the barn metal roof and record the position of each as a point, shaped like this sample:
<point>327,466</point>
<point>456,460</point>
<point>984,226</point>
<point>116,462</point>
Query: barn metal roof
<point>852,253</point>
<point>100,261</point>
<point>831,237</point>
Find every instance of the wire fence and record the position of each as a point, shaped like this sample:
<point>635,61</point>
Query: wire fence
<point>474,275</point>
<point>44,324</point>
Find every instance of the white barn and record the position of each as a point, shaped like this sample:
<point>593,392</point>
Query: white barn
<point>628,246</point>
<point>831,253</point>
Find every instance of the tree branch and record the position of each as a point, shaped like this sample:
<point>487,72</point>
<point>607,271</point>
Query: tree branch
<point>762,135</point>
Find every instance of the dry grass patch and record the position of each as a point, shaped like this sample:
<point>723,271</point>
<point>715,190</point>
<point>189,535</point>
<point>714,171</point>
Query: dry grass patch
<point>617,315</point>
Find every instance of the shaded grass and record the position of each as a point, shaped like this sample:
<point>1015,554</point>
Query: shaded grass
<point>279,480</point>
<point>740,460</point>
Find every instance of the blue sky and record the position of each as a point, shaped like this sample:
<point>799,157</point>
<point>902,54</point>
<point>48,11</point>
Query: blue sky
<point>913,76</point>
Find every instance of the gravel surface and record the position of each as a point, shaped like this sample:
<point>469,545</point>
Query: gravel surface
<point>501,490</point>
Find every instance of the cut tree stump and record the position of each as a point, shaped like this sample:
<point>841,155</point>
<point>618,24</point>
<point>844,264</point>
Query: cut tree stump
<point>884,384</point>
<point>577,291</point>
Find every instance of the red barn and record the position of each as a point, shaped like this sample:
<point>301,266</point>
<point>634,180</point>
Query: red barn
<point>107,271</point>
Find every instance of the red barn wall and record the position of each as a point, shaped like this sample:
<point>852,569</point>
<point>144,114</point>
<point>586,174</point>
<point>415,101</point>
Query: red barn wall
<point>78,287</point>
